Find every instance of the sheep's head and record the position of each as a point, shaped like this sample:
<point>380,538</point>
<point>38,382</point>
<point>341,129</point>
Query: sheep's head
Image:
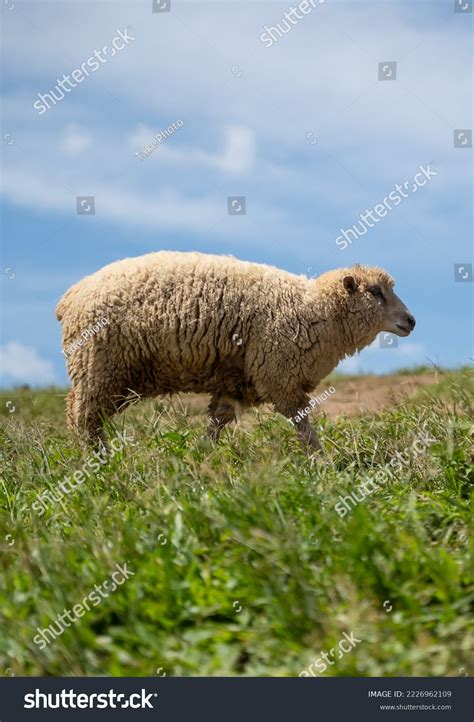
<point>366,298</point>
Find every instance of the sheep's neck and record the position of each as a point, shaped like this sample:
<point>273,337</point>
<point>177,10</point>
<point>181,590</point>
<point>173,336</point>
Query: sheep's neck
<point>337,334</point>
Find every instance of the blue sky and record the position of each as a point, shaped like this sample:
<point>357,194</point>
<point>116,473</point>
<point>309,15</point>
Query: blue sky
<point>250,117</point>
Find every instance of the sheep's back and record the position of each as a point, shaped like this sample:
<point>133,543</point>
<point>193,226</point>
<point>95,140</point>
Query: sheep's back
<point>186,311</point>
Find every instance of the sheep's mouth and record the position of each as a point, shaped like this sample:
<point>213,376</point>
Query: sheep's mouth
<point>406,331</point>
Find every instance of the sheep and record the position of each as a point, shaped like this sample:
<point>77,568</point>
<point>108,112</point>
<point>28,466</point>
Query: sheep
<point>245,333</point>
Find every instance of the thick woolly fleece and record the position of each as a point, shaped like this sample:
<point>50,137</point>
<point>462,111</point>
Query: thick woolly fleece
<point>243,332</point>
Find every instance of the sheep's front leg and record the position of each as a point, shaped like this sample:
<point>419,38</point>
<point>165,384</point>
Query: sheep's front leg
<point>295,413</point>
<point>221,412</point>
<point>307,436</point>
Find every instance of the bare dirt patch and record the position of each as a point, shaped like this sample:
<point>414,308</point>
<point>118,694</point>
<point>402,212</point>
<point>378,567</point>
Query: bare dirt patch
<point>371,393</point>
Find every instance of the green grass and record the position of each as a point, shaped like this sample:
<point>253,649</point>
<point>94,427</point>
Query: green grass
<point>242,565</point>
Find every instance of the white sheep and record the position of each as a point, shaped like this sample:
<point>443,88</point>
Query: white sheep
<point>245,333</point>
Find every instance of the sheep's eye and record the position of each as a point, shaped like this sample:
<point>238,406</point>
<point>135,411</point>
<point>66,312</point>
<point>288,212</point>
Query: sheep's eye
<point>377,292</point>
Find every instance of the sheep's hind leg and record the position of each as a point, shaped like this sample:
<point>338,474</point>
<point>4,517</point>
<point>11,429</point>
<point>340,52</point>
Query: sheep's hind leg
<point>86,414</point>
<point>221,412</point>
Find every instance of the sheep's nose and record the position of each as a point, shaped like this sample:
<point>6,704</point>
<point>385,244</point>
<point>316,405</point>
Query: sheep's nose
<point>411,321</point>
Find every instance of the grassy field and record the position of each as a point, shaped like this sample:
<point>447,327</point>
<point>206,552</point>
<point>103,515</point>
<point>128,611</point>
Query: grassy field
<point>241,563</point>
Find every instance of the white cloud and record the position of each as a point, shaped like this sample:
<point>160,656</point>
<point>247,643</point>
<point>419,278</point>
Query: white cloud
<point>167,209</point>
<point>22,364</point>
<point>75,141</point>
<point>239,151</point>
<point>237,156</point>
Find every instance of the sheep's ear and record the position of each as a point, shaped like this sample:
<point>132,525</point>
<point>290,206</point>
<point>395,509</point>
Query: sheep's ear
<point>350,284</point>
